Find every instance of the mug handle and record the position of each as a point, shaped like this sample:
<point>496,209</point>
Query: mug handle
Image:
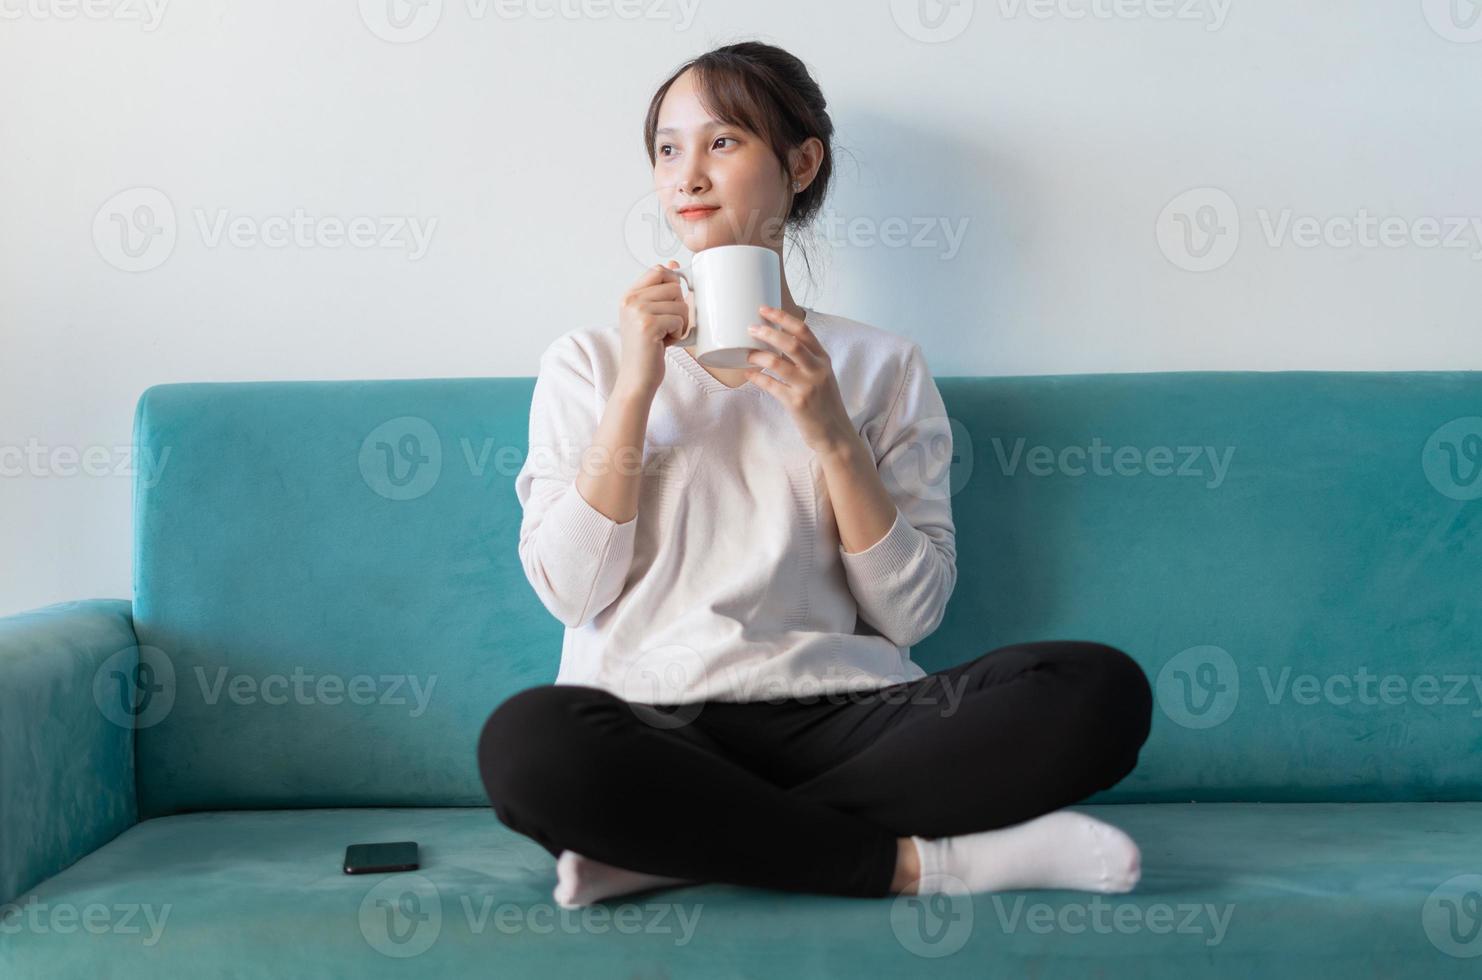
<point>686,274</point>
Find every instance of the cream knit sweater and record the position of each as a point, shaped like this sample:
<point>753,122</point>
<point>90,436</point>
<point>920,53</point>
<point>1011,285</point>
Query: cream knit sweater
<point>731,584</point>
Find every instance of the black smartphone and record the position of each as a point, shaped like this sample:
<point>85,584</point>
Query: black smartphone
<point>363,859</point>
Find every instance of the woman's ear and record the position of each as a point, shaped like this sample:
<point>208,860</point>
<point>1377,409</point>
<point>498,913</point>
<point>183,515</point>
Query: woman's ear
<point>803,161</point>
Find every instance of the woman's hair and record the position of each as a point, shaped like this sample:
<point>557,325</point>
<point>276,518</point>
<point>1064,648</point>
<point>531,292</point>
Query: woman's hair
<point>769,92</point>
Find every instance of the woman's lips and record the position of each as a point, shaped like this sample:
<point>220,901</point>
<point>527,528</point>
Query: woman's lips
<point>697,214</point>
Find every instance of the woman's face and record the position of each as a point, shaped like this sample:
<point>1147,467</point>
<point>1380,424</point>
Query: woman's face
<point>727,176</point>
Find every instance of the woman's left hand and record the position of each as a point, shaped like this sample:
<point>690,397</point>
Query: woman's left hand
<point>808,388</point>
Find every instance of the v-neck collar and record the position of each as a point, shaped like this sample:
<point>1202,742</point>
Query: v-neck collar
<point>708,381</point>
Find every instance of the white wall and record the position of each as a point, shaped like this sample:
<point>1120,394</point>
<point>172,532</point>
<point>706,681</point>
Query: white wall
<point>1051,137</point>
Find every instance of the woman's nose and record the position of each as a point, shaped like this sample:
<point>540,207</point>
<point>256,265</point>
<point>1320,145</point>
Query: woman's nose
<point>692,180</point>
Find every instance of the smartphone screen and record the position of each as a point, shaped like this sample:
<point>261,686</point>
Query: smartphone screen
<point>369,858</point>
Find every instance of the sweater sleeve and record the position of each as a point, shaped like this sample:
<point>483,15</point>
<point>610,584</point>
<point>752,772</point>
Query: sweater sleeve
<point>903,581</point>
<point>574,556</point>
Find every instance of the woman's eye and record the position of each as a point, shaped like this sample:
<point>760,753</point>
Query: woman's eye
<point>666,146</point>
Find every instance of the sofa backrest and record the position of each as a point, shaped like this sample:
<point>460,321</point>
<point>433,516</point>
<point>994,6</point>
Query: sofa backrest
<point>329,599</point>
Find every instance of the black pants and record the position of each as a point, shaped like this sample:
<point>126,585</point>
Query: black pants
<point>810,795</point>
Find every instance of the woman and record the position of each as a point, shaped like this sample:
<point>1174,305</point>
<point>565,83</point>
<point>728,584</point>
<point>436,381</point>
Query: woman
<point>735,701</point>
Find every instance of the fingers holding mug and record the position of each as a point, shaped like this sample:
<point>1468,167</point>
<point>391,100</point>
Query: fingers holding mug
<point>686,337</point>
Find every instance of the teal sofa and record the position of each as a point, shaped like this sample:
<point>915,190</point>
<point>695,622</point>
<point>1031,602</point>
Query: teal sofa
<point>328,603</point>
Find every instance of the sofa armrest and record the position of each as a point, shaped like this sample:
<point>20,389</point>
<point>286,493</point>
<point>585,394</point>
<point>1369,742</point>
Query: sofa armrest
<point>66,767</point>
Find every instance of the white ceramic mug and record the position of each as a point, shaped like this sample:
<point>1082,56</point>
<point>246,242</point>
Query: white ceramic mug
<point>729,283</point>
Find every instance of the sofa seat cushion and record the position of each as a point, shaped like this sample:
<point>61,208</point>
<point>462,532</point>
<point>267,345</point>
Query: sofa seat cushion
<point>1238,889</point>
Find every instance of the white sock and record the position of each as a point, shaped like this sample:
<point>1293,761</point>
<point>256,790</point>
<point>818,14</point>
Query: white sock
<point>1063,849</point>
<point>581,880</point>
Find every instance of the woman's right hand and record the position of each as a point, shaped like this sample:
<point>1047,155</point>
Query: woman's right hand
<point>652,315</point>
